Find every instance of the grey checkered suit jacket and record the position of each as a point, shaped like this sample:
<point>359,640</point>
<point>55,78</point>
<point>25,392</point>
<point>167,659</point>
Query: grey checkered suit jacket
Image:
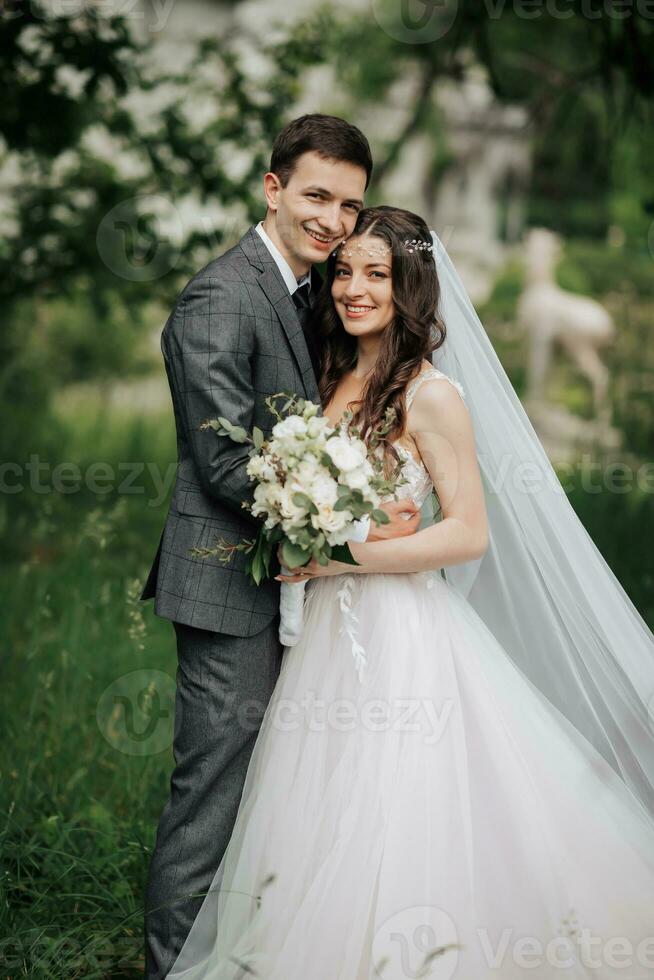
<point>233,339</point>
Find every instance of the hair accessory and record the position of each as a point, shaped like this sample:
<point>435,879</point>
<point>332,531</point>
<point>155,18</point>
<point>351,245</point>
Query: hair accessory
<point>417,246</point>
<point>360,249</point>
<point>410,245</point>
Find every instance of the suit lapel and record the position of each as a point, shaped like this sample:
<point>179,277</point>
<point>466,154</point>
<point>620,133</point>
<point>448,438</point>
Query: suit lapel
<point>273,285</point>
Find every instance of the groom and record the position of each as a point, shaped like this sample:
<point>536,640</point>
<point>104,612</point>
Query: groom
<point>240,331</point>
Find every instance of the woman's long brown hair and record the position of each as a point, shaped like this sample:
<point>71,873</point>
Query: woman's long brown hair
<point>415,332</point>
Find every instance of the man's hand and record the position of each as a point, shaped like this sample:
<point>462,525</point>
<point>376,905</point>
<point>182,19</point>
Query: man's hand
<point>399,526</point>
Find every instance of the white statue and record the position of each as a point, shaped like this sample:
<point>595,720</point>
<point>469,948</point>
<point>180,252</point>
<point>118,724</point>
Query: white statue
<point>551,315</point>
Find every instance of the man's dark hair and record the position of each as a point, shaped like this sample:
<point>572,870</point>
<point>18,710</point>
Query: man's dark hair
<point>329,136</point>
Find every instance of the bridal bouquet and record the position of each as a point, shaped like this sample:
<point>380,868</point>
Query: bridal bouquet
<point>315,483</point>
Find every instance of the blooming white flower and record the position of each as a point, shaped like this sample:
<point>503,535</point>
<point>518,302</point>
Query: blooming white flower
<point>289,428</point>
<point>329,520</point>
<point>260,468</point>
<point>335,524</point>
<point>293,515</point>
<point>355,479</point>
<point>318,426</point>
<point>268,500</point>
<point>324,490</point>
<point>310,410</point>
<point>344,453</point>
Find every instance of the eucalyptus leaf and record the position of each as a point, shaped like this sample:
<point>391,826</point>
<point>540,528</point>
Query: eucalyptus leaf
<point>305,539</point>
<point>303,500</point>
<point>258,438</point>
<point>238,434</point>
<point>257,568</point>
<point>293,555</point>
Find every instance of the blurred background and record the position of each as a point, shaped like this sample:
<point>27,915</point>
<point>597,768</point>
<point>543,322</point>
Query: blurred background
<point>133,138</point>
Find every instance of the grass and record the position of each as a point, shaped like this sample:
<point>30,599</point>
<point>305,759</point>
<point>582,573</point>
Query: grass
<point>83,779</point>
<point>80,798</point>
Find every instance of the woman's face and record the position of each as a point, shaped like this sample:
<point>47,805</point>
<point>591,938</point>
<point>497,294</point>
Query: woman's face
<point>363,287</point>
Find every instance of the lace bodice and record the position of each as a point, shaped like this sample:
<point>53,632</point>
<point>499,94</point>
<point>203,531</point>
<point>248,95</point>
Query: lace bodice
<point>419,483</point>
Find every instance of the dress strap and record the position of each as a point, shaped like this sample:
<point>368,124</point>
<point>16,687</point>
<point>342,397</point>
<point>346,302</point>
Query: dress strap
<point>431,375</point>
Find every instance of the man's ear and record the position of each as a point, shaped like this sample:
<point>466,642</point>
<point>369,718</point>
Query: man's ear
<point>271,188</point>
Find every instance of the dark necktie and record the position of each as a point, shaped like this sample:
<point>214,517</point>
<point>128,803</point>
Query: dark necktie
<point>302,299</point>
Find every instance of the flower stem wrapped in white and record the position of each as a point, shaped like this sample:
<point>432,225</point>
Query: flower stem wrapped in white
<point>291,610</point>
<point>291,594</point>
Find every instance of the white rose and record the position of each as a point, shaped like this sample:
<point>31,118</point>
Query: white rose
<point>318,426</point>
<point>307,470</point>
<point>335,524</point>
<point>290,428</point>
<point>344,454</point>
<point>324,490</point>
<point>292,514</point>
<point>329,520</point>
<point>355,479</point>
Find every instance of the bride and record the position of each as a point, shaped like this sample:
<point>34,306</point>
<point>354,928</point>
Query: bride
<point>477,800</point>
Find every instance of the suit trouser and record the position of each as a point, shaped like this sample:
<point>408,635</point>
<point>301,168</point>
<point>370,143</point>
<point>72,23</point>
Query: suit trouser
<point>224,684</point>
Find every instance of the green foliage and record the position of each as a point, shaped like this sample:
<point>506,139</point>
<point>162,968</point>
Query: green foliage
<point>79,816</point>
<point>598,269</point>
<point>622,527</point>
<point>293,555</point>
<point>505,293</point>
<point>497,314</point>
<point>342,553</point>
<point>620,277</point>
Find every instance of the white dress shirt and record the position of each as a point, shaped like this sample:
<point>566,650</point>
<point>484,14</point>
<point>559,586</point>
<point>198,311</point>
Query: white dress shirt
<point>287,273</point>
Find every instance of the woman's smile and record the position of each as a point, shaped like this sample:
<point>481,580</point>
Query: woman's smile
<point>355,312</point>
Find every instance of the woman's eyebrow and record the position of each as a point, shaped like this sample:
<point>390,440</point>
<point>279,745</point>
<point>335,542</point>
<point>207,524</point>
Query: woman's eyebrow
<point>369,265</point>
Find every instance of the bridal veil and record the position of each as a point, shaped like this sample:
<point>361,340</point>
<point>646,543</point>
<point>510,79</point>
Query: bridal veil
<point>542,587</point>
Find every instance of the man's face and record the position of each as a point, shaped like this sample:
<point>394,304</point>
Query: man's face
<point>316,210</point>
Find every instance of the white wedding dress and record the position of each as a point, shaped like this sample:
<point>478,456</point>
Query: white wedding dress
<point>434,817</point>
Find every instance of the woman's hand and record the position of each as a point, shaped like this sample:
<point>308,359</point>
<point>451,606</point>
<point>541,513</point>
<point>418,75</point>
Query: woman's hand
<point>314,569</point>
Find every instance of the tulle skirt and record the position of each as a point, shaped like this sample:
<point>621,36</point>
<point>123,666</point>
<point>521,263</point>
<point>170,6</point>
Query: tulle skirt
<point>435,817</point>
